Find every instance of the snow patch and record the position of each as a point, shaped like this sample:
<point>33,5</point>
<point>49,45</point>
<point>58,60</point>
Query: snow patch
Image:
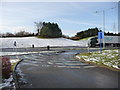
<point>14,60</point>
<point>29,41</point>
<point>97,57</point>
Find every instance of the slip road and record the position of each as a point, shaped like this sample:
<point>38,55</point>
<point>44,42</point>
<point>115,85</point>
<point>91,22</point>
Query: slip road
<point>62,70</point>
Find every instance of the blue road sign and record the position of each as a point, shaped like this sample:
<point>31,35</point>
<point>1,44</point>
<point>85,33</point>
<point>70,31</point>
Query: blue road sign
<point>100,35</point>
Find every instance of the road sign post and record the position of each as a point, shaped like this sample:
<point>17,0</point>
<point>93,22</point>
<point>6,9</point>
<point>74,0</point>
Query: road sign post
<point>100,45</point>
<point>100,37</point>
<point>88,46</point>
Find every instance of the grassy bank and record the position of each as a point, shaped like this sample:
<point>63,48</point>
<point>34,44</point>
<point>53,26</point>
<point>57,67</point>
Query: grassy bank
<point>108,58</point>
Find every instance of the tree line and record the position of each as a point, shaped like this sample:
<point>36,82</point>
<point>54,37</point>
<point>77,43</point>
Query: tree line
<point>52,30</point>
<point>18,34</point>
<point>89,33</point>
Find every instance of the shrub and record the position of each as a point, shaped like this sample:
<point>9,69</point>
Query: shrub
<point>50,30</point>
<point>93,41</point>
<point>6,66</point>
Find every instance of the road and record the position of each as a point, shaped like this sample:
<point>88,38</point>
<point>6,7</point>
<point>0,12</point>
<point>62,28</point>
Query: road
<point>62,70</point>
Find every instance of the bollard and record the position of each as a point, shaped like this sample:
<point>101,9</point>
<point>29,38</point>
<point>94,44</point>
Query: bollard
<point>33,46</point>
<point>48,47</point>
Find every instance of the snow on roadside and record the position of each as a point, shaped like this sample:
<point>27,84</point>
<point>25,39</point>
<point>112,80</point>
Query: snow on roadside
<point>29,41</point>
<point>108,57</point>
<point>14,60</point>
<point>7,83</point>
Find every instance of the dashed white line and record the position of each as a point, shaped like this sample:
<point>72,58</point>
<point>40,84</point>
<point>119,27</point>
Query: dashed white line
<point>89,66</point>
<point>32,58</point>
<point>59,63</point>
<point>17,57</point>
<point>72,64</point>
<point>68,66</point>
<point>49,63</point>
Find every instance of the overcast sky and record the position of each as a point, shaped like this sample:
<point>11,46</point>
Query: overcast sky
<point>71,17</point>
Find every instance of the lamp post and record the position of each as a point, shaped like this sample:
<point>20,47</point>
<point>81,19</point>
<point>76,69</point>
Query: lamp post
<point>103,26</point>
<point>103,11</point>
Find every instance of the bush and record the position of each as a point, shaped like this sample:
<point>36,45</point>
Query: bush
<point>87,33</point>
<point>6,67</point>
<point>93,42</point>
<point>50,30</point>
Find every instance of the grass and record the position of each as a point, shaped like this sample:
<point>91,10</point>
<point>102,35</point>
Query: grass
<point>85,54</point>
<point>111,58</point>
<point>42,37</point>
<point>14,64</point>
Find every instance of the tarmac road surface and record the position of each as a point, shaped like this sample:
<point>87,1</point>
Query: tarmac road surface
<point>62,70</point>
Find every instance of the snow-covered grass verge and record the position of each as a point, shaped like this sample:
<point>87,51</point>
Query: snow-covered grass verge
<point>6,83</point>
<point>9,82</point>
<point>25,42</point>
<point>14,63</point>
<point>109,58</point>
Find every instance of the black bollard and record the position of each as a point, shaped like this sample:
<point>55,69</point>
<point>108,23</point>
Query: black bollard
<point>33,46</point>
<point>48,47</point>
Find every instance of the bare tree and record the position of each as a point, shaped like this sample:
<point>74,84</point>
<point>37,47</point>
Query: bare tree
<point>22,33</point>
<point>39,26</point>
<point>9,34</point>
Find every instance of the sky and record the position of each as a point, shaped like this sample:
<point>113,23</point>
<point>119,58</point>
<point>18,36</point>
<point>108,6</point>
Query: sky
<point>72,17</point>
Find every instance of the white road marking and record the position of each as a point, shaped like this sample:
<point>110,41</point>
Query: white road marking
<point>45,65</point>
<point>49,63</point>
<point>59,66</point>
<point>89,66</point>
<point>76,64</point>
<point>33,64</point>
<point>17,57</point>
<point>31,58</point>
<point>39,56</point>
<point>72,64</point>
<point>59,63</point>
<point>73,61</point>
<point>34,55</point>
<point>68,66</point>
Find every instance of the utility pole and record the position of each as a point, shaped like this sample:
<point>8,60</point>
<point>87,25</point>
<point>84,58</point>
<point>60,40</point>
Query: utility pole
<point>103,11</point>
<point>104,28</point>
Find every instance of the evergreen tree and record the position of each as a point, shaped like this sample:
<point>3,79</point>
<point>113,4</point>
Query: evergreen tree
<point>87,33</point>
<point>50,30</point>
<point>93,41</point>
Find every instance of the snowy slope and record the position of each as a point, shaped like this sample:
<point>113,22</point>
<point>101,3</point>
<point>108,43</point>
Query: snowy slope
<point>28,41</point>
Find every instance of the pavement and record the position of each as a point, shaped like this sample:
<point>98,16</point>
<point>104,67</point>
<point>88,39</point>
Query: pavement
<point>62,70</point>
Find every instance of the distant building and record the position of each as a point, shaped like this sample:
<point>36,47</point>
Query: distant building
<point>110,41</point>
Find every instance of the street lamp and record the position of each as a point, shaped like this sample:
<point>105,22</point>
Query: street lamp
<point>104,28</point>
<point>103,11</point>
